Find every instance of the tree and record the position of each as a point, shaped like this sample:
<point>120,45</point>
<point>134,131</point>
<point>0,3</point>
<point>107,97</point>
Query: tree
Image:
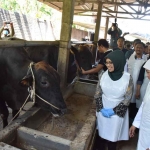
<point>32,7</point>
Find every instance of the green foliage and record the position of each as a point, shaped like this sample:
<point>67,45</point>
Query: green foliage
<point>73,26</point>
<point>32,7</point>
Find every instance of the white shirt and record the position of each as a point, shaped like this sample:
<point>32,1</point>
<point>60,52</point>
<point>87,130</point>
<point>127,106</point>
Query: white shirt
<point>137,118</point>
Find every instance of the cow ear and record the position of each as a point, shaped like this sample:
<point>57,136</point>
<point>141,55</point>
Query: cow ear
<point>26,81</point>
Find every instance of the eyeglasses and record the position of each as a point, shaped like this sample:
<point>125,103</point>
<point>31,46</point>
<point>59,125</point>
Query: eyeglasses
<point>108,63</point>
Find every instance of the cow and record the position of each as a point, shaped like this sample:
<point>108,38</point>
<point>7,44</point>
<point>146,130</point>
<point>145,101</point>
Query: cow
<point>16,78</point>
<point>78,57</point>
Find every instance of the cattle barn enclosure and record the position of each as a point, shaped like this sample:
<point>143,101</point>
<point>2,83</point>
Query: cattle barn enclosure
<point>37,129</point>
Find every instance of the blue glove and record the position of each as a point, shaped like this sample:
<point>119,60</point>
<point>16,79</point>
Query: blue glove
<point>110,111</point>
<point>105,113</point>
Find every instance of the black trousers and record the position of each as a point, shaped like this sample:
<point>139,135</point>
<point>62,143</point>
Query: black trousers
<point>101,144</point>
<point>132,112</point>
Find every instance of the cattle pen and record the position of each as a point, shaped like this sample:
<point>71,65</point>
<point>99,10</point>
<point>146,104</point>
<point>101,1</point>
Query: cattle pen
<point>37,129</point>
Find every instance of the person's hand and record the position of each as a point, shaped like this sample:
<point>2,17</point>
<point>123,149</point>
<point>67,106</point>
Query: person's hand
<point>83,71</point>
<point>4,24</point>
<point>11,24</point>
<point>132,131</point>
<point>110,111</point>
<point>105,113</point>
<point>126,33</point>
<point>137,95</point>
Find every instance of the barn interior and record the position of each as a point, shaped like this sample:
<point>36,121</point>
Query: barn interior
<point>23,133</point>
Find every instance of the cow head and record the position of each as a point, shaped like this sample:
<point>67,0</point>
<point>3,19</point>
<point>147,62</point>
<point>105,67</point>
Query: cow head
<point>83,56</point>
<point>47,86</point>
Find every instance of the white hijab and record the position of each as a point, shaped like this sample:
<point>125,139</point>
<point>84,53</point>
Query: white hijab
<point>147,65</point>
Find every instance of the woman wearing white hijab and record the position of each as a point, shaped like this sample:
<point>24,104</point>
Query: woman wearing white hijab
<point>142,119</point>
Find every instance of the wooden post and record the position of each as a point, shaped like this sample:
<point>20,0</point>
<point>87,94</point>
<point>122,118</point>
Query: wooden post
<point>106,28</point>
<point>66,28</point>
<point>97,27</point>
<point>98,22</point>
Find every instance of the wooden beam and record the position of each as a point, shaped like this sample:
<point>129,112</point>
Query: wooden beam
<point>98,21</point>
<point>120,12</point>
<point>87,6</point>
<point>109,10</point>
<point>66,29</point>
<point>130,6</point>
<point>106,27</point>
<point>23,43</point>
<point>95,1</point>
<point>87,1</point>
<point>126,11</point>
<point>127,18</point>
<point>55,6</point>
<point>144,14</point>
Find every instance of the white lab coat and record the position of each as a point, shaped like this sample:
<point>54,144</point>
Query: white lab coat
<point>142,121</point>
<point>114,128</point>
<point>142,90</point>
<point>134,66</point>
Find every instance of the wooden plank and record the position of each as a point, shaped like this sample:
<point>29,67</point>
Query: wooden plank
<point>23,43</point>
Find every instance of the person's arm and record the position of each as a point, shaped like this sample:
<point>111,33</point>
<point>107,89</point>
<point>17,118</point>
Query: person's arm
<point>12,32</point>
<point>124,34</point>
<point>136,122</point>
<point>137,94</point>
<point>141,75</point>
<point>109,31</point>
<point>93,70</point>
<point>121,108</point>
<point>140,82</point>
<point>127,55</point>
<point>120,31</point>
<point>98,96</point>
<point>1,30</point>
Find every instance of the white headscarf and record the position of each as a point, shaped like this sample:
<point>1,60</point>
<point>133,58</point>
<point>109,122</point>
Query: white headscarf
<point>147,65</point>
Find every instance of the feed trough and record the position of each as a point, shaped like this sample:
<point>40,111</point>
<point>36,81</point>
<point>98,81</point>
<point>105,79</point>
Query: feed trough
<point>39,130</point>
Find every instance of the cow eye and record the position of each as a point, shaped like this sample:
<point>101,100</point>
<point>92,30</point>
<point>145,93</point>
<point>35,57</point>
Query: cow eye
<point>44,83</point>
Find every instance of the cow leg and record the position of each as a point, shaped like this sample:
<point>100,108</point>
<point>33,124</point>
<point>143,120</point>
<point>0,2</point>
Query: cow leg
<point>4,113</point>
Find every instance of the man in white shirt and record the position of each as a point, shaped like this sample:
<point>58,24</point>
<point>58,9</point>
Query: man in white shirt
<point>142,119</point>
<point>134,64</point>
